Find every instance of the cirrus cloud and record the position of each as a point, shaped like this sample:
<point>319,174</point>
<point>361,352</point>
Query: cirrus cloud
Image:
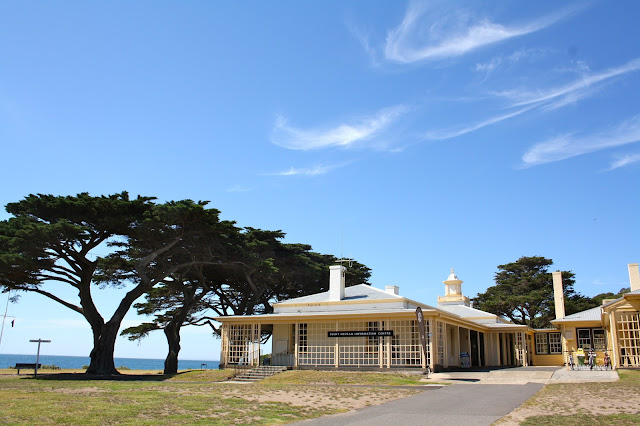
<point>344,135</point>
<point>571,145</point>
<point>426,34</point>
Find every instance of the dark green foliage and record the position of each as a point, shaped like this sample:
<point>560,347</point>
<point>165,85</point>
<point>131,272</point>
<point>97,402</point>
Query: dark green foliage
<point>600,297</point>
<point>524,293</point>
<point>179,254</point>
<point>255,270</point>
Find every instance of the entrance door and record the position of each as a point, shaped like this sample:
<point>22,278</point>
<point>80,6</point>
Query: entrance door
<point>475,350</point>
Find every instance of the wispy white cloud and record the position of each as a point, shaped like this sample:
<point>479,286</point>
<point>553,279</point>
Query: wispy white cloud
<point>575,90</point>
<point>459,131</point>
<point>343,135</point>
<point>311,171</point>
<point>549,99</point>
<point>570,145</point>
<point>238,188</point>
<point>623,161</point>
<point>427,34</point>
<point>508,60</point>
<point>363,39</point>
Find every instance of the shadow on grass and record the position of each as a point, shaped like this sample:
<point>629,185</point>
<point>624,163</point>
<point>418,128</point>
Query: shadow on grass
<point>111,377</point>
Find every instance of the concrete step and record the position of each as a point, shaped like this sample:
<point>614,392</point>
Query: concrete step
<point>259,373</point>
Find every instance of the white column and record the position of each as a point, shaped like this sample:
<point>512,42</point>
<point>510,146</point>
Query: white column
<point>224,347</point>
<point>295,347</point>
<point>258,335</point>
<point>614,341</point>
<point>380,346</point>
<point>389,351</point>
<point>423,356</point>
<point>457,352</point>
<point>433,347</point>
<point>336,359</point>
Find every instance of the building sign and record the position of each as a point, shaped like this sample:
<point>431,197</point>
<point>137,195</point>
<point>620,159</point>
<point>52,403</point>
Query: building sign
<point>373,333</point>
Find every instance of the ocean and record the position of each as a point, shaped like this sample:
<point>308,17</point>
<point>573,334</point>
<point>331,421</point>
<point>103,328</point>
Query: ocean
<point>9,360</point>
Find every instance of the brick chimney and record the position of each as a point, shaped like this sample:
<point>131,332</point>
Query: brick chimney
<point>558,294</point>
<point>634,276</point>
<point>336,282</point>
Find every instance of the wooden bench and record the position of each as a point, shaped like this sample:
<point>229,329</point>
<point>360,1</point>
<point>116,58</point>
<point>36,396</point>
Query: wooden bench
<point>26,365</point>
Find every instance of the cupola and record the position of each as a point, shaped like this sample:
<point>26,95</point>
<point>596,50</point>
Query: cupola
<point>453,292</point>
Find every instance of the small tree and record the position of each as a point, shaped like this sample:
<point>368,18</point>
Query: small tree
<point>524,293</point>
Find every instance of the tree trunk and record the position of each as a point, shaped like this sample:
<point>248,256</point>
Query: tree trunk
<point>172,332</point>
<point>102,363</point>
<point>105,342</point>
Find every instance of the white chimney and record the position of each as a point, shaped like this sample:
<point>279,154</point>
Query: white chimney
<point>558,294</point>
<point>634,276</point>
<point>392,289</point>
<point>336,282</point>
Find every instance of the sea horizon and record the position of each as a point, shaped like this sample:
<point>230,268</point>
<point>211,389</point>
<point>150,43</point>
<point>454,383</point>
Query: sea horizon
<point>123,357</point>
<point>78,361</point>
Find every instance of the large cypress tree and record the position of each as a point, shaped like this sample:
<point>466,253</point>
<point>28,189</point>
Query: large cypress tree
<point>524,293</point>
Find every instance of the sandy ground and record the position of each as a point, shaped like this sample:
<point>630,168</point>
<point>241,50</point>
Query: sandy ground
<point>325,397</point>
<point>312,396</point>
<point>570,399</point>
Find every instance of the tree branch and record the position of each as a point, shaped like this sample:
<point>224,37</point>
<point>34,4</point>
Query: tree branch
<point>71,306</point>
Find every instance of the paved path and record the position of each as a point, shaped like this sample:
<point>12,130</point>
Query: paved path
<point>477,397</point>
<point>467,404</point>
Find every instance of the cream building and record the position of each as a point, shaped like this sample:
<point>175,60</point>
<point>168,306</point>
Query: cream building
<point>613,327</point>
<point>365,327</point>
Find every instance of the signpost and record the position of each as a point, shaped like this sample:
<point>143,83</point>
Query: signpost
<point>423,335</point>
<point>35,374</point>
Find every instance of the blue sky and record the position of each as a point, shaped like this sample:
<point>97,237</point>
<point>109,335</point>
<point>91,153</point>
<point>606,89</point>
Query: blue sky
<point>412,136</point>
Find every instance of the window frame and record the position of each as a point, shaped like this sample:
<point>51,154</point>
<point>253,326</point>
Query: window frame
<point>543,342</point>
<point>602,341</point>
<point>303,341</point>
<point>555,347</point>
<point>551,346</point>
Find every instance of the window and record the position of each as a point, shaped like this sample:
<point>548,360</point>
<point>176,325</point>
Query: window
<point>542,345</point>
<point>302,338</point>
<point>599,340</point>
<point>584,339</point>
<point>548,343</point>
<point>592,338</point>
<point>555,343</point>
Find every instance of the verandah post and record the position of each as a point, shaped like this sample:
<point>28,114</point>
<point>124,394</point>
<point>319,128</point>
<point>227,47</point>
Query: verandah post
<point>296,337</point>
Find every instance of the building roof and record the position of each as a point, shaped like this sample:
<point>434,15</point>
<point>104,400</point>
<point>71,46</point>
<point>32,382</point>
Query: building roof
<point>284,315</point>
<point>593,314</point>
<point>353,293</point>
<point>621,298</point>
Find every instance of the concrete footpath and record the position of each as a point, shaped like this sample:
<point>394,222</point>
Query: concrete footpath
<point>478,397</point>
<point>461,404</point>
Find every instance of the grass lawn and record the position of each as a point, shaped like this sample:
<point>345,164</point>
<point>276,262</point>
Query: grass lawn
<point>605,403</point>
<point>307,377</point>
<point>188,397</point>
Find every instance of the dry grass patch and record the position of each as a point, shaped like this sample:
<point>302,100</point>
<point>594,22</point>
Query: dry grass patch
<point>574,403</point>
<point>307,377</point>
<point>323,397</point>
<point>192,397</point>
